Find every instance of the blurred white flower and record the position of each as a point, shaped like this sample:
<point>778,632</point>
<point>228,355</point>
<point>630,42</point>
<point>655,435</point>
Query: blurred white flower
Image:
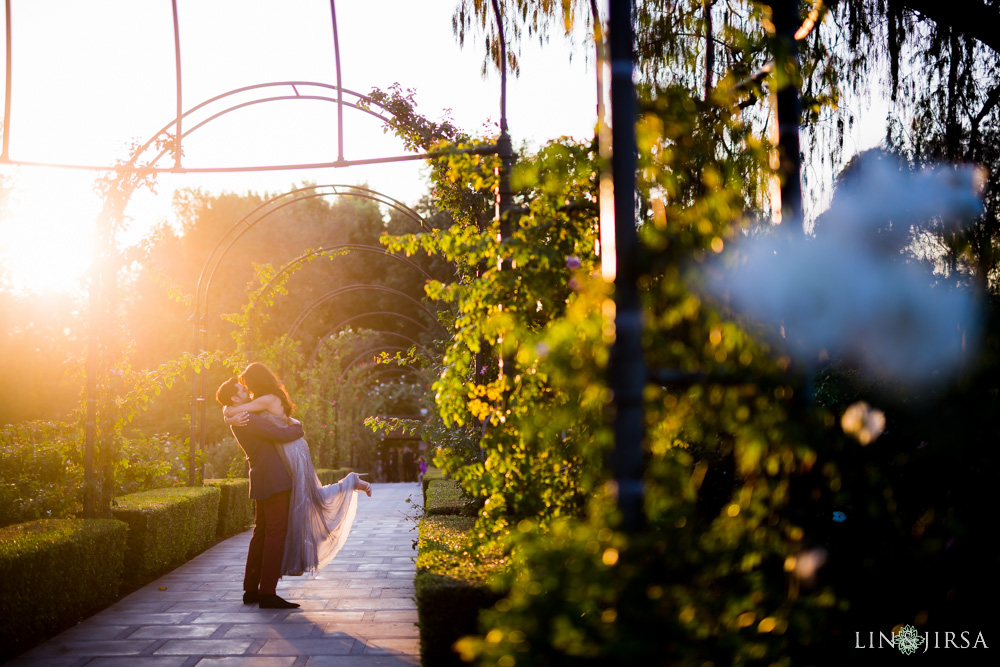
<point>807,563</point>
<point>863,422</point>
<point>844,294</point>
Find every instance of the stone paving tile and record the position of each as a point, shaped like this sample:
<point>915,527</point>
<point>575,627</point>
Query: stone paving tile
<point>397,592</point>
<point>178,596</point>
<point>258,616</point>
<point>374,603</point>
<point>327,616</point>
<point>97,632</point>
<point>332,645</point>
<point>248,661</point>
<point>357,612</point>
<point>323,591</point>
<point>132,607</point>
<point>113,616</point>
<point>81,647</point>
<point>398,660</point>
<point>392,646</point>
<point>217,605</point>
<point>174,632</point>
<point>140,661</point>
<point>203,647</point>
<point>394,616</point>
<point>372,630</point>
<point>272,631</point>
<point>58,661</point>
<point>380,565</point>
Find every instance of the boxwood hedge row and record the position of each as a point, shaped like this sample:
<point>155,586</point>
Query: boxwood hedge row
<point>54,573</point>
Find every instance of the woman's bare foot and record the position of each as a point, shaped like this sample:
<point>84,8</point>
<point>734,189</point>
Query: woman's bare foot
<point>362,485</point>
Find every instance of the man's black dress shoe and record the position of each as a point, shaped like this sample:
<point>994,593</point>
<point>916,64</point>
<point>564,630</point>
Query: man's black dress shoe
<point>250,597</point>
<point>275,602</point>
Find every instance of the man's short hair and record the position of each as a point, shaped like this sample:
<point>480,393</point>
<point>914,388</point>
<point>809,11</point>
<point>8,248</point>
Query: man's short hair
<point>228,389</point>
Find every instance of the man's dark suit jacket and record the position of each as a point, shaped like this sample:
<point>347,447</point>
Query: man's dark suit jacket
<point>258,439</point>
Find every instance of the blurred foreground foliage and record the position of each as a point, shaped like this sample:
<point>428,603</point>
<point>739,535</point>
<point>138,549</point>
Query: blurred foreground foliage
<point>771,536</point>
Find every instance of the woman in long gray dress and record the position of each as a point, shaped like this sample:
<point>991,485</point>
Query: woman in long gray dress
<point>319,517</point>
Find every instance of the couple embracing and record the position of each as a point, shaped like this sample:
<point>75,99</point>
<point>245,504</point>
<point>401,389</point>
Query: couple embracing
<point>299,525</point>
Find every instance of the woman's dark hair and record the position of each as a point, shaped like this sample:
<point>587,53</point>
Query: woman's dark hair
<point>259,381</point>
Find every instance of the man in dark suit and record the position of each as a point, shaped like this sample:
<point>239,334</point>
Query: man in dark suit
<point>270,488</point>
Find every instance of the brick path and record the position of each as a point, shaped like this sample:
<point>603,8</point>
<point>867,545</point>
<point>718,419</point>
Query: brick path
<point>357,611</point>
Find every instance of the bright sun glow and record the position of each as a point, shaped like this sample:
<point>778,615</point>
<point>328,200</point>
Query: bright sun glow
<point>77,101</point>
<point>46,232</point>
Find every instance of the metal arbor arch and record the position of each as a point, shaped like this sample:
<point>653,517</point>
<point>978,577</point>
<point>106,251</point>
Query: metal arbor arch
<point>267,208</point>
<point>308,310</point>
<point>332,252</point>
<point>381,332</point>
<point>167,143</point>
<point>222,247</point>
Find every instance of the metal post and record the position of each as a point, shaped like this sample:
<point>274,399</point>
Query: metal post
<point>197,426</point>
<point>785,17</point>
<point>627,365</point>
<point>198,479</point>
<point>505,151</point>
<point>89,477</point>
<point>193,437</point>
<point>340,85</point>
<point>7,92</point>
<point>180,105</point>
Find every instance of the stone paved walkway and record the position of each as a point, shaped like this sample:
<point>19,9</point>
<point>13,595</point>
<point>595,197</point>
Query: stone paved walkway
<point>357,611</point>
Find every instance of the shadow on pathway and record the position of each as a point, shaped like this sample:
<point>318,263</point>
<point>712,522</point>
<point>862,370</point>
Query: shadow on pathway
<point>357,611</point>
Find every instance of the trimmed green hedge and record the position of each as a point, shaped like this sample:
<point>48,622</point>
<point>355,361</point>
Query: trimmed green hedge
<point>444,496</point>
<point>166,527</point>
<point>452,587</point>
<point>429,476</point>
<point>54,573</point>
<point>235,506</point>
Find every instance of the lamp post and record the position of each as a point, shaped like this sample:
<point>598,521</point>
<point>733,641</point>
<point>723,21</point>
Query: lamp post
<point>627,365</point>
<point>785,16</point>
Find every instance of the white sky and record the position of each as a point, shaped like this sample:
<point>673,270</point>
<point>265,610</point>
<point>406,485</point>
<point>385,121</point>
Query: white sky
<point>89,78</point>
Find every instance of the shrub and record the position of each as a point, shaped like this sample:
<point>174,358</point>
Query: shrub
<point>41,469</point>
<point>331,475</point>
<point>430,476</point>
<point>226,458</point>
<point>452,586</point>
<point>445,496</point>
<point>54,573</point>
<point>235,506</point>
<point>41,472</point>
<point>166,527</point>
<point>152,462</point>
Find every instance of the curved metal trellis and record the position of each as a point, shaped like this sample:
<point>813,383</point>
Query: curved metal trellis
<point>222,247</point>
<point>332,251</point>
<point>273,205</point>
<point>171,143</point>
<point>372,313</point>
<point>413,343</point>
<point>308,310</point>
<point>371,352</point>
<point>400,371</point>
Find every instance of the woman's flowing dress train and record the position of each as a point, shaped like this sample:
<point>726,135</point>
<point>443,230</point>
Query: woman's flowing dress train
<point>319,517</point>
